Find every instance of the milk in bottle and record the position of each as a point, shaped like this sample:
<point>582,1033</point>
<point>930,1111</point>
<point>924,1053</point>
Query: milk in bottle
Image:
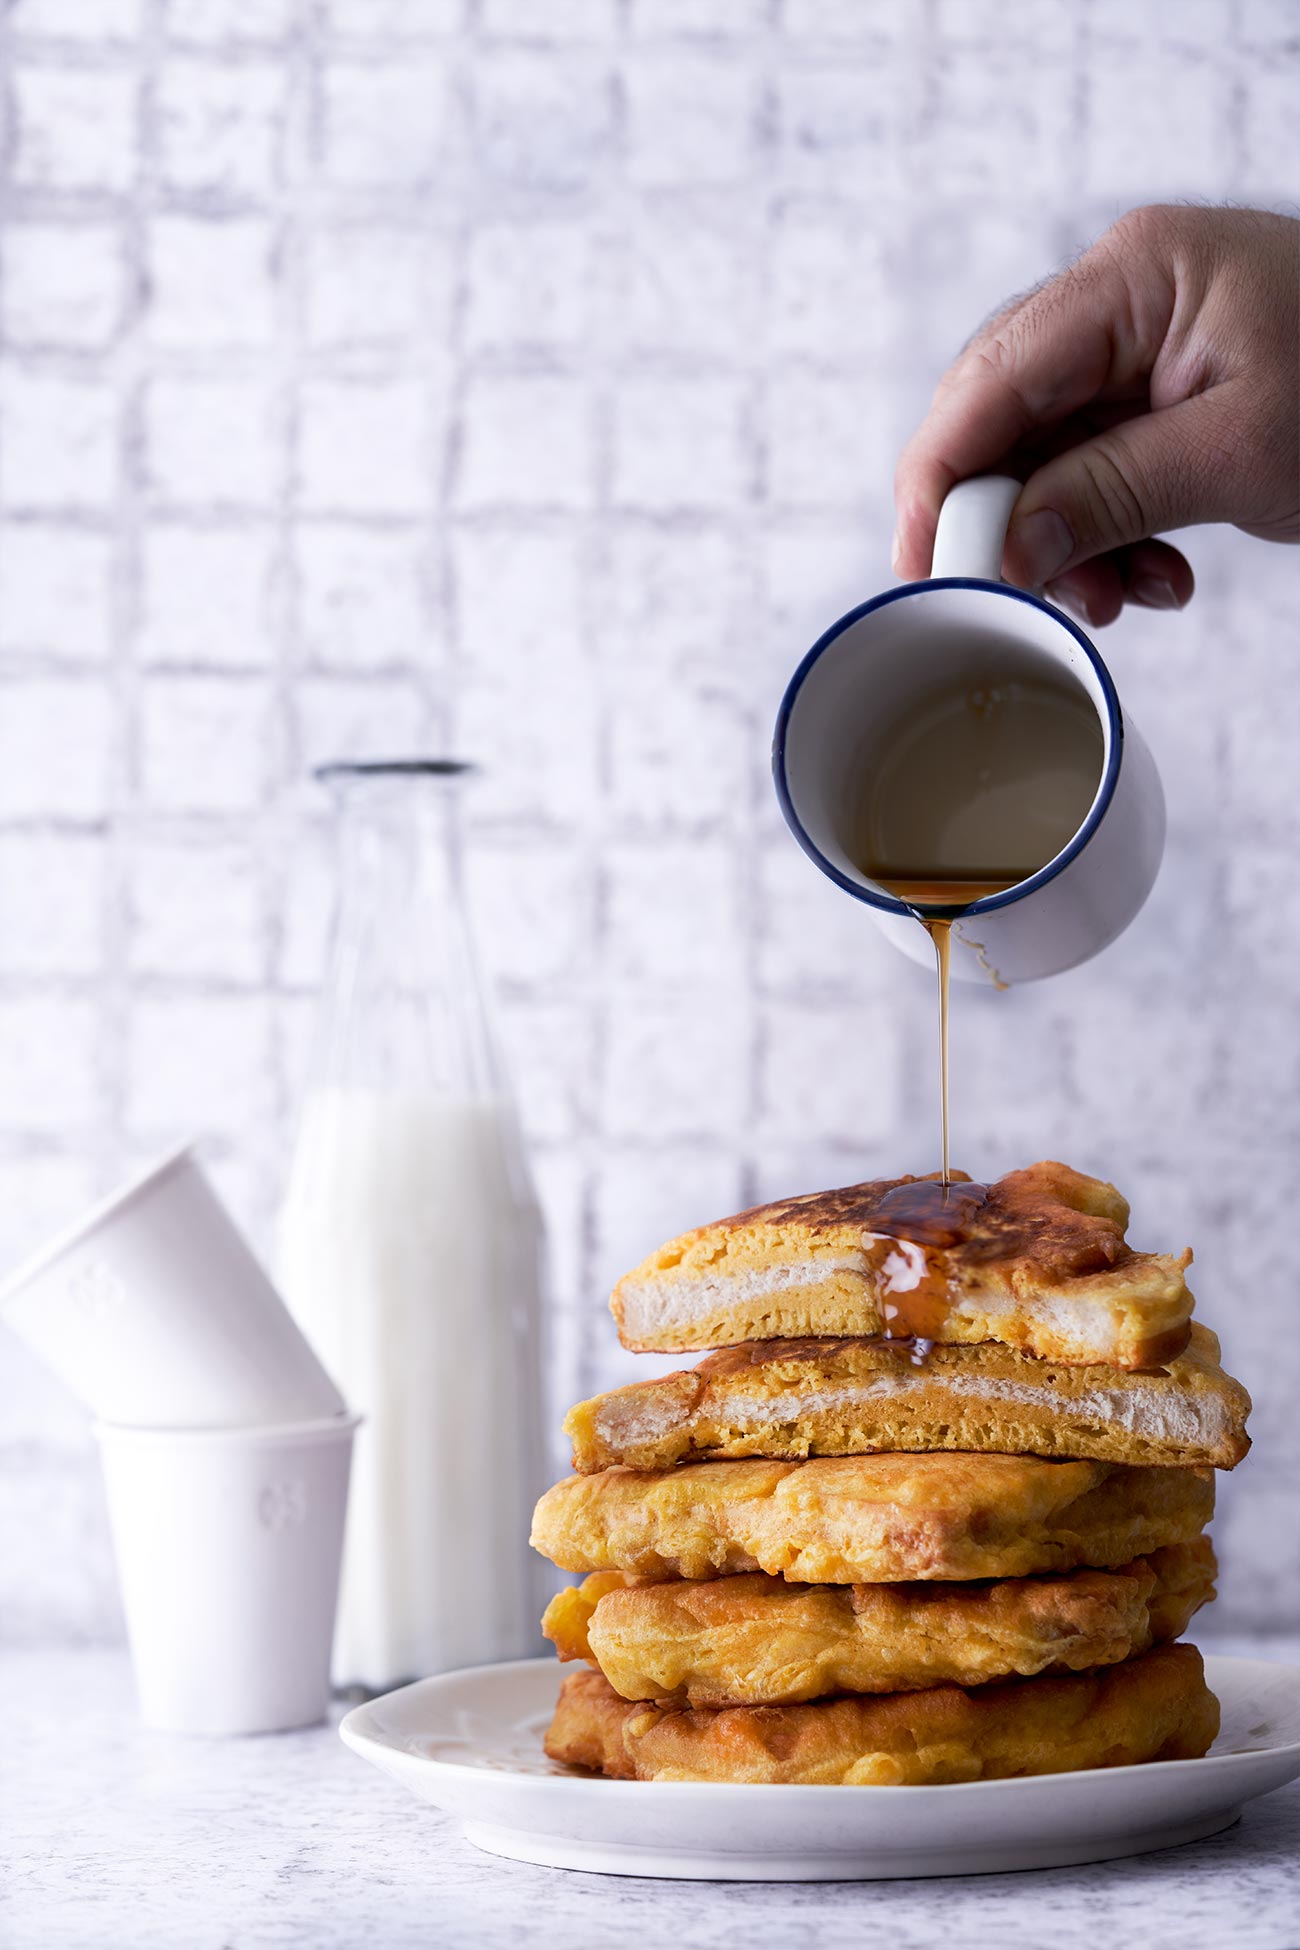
<point>409,1250</point>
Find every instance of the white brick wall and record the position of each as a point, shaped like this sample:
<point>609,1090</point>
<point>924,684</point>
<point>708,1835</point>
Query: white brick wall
<point>401,374</point>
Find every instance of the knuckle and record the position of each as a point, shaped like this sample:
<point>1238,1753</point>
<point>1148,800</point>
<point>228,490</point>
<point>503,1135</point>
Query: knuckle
<point>1007,356</point>
<point>999,356</point>
<point>998,350</point>
<point>1113,501</point>
<point>1146,226</point>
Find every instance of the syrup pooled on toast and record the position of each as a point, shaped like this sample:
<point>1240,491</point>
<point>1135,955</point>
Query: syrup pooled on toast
<point>913,1227</point>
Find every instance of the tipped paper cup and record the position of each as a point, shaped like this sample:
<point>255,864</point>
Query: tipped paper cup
<point>155,1312</point>
<point>228,1544</point>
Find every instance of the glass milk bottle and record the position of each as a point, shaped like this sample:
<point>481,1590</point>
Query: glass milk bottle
<point>409,1249</point>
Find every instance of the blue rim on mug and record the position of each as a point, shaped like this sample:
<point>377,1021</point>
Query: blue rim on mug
<point>1105,791</point>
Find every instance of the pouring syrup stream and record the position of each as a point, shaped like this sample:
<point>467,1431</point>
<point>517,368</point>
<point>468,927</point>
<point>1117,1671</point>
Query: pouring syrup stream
<point>936,904</point>
<point>940,932</point>
<point>970,789</point>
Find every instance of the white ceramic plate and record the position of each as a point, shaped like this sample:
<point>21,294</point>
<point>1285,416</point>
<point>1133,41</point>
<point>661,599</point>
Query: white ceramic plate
<point>471,1742</point>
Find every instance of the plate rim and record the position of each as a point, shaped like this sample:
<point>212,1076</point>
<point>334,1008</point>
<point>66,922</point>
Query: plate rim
<point>359,1739</point>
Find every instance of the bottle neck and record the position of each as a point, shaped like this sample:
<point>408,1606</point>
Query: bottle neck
<point>404,1008</point>
<point>397,846</point>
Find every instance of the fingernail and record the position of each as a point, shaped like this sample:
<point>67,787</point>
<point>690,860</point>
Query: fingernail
<point>1044,544</point>
<point>896,553</point>
<point>1066,599</point>
<point>1155,593</point>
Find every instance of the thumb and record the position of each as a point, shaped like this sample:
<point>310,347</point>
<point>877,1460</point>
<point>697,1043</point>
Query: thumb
<point>1160,471</point>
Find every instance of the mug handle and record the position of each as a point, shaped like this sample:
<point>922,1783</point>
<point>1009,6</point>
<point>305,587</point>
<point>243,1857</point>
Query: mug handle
<point>973,526</point>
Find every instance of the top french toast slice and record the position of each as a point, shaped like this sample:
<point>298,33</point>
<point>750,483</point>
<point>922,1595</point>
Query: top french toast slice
<point>1037,1260</point>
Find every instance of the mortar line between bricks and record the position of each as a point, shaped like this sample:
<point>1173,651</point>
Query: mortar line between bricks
<point>286,759</point>
<point>117,1000</point>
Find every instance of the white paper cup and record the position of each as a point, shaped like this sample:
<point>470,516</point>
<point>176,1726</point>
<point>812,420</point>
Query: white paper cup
<point>228,1544</point>
<point>155,1312</point>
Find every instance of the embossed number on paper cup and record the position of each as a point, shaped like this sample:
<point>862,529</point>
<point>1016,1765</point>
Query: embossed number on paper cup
<point>96,1289</point>
<point>282,1505</point>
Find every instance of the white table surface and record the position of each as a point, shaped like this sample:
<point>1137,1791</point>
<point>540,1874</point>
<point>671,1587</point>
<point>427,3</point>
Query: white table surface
<point>118,1837</point>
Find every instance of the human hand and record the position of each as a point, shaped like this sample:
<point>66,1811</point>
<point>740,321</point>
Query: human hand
<point>1152,385</point>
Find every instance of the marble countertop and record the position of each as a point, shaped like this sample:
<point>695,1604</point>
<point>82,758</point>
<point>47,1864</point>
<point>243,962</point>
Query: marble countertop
<point>116,1837</point>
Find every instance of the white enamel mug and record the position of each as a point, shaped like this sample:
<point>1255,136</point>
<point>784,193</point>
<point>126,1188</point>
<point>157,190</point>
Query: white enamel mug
<point>880,658</point>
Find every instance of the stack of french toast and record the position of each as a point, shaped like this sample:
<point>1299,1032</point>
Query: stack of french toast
<point>932,1508</point>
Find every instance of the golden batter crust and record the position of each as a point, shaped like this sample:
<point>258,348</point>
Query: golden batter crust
<point>792,1399</point>
<point>1155,1707</point>
<point>1037,1260</point>
<point>755,1640</point>
<point>870,1519</point>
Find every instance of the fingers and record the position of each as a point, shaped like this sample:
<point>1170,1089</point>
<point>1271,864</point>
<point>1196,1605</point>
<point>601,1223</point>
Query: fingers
<point>1161,470</point>
<point>976,418</point>
<point>1151,575</point>
<point>1094,593</point>
<point>1157,576</point>
<point>1087,336</point>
